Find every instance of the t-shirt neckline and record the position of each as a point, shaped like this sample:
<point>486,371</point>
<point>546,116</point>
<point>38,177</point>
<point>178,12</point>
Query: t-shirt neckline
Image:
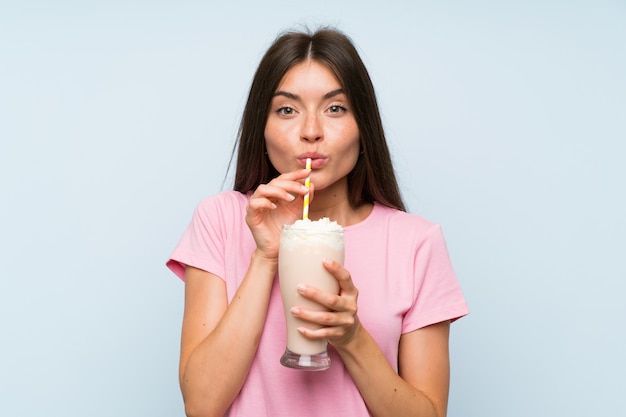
<point>370,217</point>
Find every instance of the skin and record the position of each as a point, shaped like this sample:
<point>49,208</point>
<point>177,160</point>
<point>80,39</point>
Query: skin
<point>309,116</point>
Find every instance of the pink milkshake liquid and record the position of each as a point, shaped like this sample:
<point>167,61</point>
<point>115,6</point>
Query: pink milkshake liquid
<point>303,247</point>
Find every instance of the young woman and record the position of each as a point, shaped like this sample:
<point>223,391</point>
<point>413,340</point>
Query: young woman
<point>388,327</point>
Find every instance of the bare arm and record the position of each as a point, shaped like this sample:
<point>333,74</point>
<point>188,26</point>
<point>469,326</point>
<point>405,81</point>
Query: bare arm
<point>420,389</point>
<point>219,340</point>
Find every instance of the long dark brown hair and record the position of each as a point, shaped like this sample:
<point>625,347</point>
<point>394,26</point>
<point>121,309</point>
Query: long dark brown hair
<point>373,178</point>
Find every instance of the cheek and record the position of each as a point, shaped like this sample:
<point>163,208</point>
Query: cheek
<point>273,148</point>
<point>350,154</point>
<point>271,136</point>
<point>268,134</point>
<point>353,144</point>
<point>274,134</point>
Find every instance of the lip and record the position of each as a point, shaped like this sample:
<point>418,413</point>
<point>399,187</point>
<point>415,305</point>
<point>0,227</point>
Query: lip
<point>318,160</point>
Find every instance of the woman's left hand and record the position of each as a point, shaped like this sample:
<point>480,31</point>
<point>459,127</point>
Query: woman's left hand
<point>341,322</point>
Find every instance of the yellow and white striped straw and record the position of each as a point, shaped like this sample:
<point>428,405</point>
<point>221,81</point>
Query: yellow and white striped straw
<point>307,184</point>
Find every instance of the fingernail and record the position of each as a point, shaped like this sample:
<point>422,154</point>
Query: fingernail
<point>291,197</point>
<point>301,287</point>
<point>294,310</point>
<point>327,261</point>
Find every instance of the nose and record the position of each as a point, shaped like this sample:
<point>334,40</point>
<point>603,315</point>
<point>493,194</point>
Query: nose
<point>311,129</point>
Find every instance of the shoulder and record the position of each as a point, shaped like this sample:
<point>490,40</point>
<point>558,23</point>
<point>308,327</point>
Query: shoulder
<point>225,198</point>
<point>402,221</point>
<point>221,211</point>
<point>400,230</point>
<point>226,201</point>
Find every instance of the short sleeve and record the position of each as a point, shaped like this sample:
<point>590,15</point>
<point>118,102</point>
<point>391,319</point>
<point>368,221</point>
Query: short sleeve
<point>437,293</point>
<point>202,243</point>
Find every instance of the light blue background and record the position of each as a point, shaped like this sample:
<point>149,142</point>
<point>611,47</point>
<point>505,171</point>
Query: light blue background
<point>507,123</point>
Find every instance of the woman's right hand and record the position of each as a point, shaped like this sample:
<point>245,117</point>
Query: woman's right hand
<point>273,205</point>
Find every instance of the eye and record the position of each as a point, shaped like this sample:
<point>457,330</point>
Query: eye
<point>286,111</point>
<point>336,109</point>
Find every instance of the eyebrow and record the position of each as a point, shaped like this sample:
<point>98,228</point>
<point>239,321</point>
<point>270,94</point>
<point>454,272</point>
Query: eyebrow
<point>292,96</point>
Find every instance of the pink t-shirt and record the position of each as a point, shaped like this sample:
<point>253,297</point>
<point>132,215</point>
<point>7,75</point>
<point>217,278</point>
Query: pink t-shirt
<point>399,263</point>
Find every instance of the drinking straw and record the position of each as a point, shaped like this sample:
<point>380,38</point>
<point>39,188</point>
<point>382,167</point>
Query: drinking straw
<point>307,184</point>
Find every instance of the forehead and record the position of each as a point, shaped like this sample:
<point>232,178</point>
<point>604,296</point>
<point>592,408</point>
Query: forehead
<point>309,74</point>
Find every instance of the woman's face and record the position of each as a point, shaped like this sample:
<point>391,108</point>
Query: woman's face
<point>311,117</point>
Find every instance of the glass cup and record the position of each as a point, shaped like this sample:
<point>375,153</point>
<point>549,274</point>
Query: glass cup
<point>300,257</point>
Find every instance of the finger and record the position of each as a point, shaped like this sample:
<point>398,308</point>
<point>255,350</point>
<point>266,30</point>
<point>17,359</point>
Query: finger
<point>329,300</point>
<point>272,192</point>
<point>280,189</point>
<point>342,276</point>
<point>296,175</point>
<point>336,335</point>
<point>259,204</point>
<point>331,333</point>
<point>324,318</point>
<point>334,303</point>
<point>294,180</point>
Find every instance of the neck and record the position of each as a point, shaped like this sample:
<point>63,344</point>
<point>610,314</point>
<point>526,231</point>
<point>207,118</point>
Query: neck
<point>333,202</point>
